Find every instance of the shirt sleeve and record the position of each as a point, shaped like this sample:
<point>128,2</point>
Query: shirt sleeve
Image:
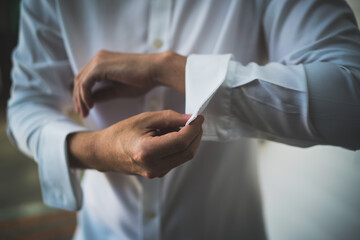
<point>308,93</point>
<point>40,96</point>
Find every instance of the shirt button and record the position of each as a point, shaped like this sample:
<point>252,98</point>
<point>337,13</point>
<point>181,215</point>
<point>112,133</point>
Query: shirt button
<point>158,43</point>
<point>150,214</point>
<point>154,104</point>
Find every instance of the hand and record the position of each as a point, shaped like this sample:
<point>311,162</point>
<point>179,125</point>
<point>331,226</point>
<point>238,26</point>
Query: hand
<point>149,144</point>
<point>130,74</point>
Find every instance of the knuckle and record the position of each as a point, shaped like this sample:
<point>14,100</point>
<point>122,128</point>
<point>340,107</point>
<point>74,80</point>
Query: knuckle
<point>170,52</point>
<point>77,78</point>
<point>168,55</point>
<point>82,84</point>
<point>100,54</point>
<point>169,112</point>
<point>142,156</point>
<point>99,57</point>
<point>143,116</point>
<point>137,157</point>
<point>77,82</point>
<point>146,115</point>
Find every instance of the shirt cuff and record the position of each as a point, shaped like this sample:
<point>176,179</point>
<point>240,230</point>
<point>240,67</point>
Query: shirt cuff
<point>211,81</point>
<point>204,75</point>
<point>59,184</point>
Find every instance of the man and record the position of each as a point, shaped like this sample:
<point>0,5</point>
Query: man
<point>281,70</point>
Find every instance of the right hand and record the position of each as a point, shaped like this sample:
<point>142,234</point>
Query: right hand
<point>149,144</point>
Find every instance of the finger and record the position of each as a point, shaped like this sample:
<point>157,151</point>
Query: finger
<point>85,111</point>
<point>75,100</point>
<point>77,103</point>
<point>162,166</point>
<point>85,93</point>
<point>76,89</point>
<point>164,145</point>
<point>82,108</point>
<point>179,158</point>
<point>76,97</point>
<point>164,119</point>
<point>85,81</point>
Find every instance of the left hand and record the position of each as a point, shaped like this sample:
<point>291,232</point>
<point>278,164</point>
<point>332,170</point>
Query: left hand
<point>131,75</point>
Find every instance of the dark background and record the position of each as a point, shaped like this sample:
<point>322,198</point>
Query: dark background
<point>22,213</point>
<point>9,14</point>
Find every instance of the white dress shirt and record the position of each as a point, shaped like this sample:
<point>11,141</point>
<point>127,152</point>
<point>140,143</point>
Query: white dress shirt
<point>287,71</point>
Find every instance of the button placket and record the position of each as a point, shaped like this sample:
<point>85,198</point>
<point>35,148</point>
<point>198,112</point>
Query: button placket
<point>154,100</point>
<point>159,24</point>
<point>157,41</point>
<point>151,212</point>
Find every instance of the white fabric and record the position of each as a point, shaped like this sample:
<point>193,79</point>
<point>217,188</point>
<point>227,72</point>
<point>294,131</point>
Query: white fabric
<point>198,96</point>
<point>293,77</point>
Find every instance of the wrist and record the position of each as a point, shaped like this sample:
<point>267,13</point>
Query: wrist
<point>170,70</point>
<point>81,149</point>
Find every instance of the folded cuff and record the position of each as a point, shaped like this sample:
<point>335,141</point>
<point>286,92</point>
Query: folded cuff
<point>204,75</point>
<point>60,186</point>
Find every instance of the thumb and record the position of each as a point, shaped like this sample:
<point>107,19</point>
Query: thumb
<point>167,119</point>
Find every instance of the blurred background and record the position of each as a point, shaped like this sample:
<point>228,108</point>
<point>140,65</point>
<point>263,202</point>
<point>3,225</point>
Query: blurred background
<point>308,193</point>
